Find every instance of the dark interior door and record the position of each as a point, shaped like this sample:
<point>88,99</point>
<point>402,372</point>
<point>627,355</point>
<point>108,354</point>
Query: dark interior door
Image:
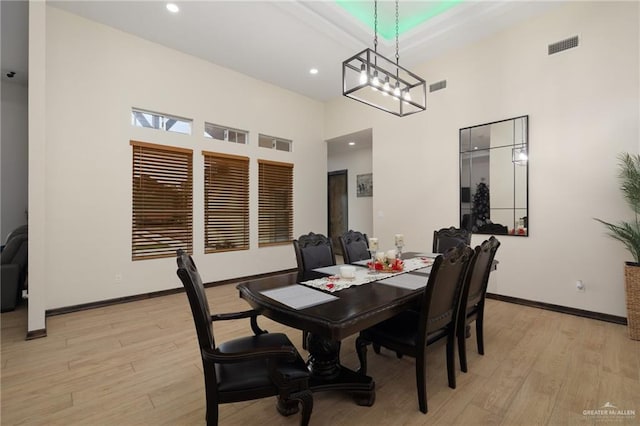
<point>338,204</point>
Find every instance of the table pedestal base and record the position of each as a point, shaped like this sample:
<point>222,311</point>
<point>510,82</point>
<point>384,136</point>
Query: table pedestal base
<point>328,374</point>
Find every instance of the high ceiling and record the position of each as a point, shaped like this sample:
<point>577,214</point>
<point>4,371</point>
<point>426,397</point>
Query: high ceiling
<point>280,41</point>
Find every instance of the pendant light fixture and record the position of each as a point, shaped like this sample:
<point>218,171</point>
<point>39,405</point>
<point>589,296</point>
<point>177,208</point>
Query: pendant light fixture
<point>371,78</point>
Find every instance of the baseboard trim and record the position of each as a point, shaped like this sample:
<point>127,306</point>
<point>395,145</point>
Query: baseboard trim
<point>36,334</point>
<point>562,309</point>
<point>153,294</point>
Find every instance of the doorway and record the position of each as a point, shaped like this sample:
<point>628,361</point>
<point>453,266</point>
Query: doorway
<point>338,207</point>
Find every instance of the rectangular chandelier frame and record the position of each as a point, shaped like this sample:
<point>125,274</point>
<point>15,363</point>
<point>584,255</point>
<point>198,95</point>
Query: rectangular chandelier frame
<point>412,89</point>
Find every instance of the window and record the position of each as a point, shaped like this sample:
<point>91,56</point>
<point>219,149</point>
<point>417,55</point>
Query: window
<point>226,202</point>
<point>226,133</point>
<point>162,200</point>
<point>275,203</point>
<point>271,142</point>
<point>154,120</point>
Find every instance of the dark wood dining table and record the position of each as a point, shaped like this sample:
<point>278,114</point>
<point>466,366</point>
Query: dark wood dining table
<point>356,308</point>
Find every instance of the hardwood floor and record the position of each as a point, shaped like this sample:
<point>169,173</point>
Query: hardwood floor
<point>138,363</point>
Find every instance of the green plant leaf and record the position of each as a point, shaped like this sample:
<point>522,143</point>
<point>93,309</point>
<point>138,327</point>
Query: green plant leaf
<point>628,232</point>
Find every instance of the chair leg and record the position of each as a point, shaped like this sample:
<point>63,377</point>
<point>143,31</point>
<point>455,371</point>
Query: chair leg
<point>451,359</point>
<point>462,349</point>
<point>211,396</point>
<point>421,382</point>
<point>306,401</point>
<point>305,334</point>
<point>361,349</point>
<point>376,348</point>
<point>212,414</point>
<point>479,333</point>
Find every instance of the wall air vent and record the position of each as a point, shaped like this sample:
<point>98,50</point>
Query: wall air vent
<point>438,86</point>
<point>569,43</point>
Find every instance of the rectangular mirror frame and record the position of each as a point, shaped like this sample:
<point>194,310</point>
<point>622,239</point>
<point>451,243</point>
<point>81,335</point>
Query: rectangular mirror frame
<point>500,150</point>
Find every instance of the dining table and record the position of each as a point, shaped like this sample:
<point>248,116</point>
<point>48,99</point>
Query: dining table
<point>331,308</point>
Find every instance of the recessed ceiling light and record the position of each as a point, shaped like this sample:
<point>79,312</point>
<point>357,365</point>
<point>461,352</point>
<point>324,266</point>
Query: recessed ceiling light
<point>352,143</point>
<point>313,71</point>
<point>173,8</point>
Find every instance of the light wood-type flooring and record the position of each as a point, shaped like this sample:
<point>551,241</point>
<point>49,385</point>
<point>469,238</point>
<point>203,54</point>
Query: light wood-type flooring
<point>138,363</point>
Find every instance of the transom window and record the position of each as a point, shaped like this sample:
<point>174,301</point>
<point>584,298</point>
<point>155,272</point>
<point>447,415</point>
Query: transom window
<point>155,120</point>
<point>276,143</point>
<point>224,133</point>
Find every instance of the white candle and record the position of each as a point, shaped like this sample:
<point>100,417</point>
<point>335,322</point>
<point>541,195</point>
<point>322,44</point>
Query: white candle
<point>380,256</point>
<point>373,244</point>
<point>391,254</point>
<point>348,271</point>
<point>399,240</point>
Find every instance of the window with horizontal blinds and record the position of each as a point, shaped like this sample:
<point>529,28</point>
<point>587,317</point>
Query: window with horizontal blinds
<point>162,200</point>
<point>226,202</point>
<point>275,203</point>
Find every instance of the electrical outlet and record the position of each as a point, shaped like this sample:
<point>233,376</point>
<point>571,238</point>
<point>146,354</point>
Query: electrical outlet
<point>118,278</point>
<point>580,287</point>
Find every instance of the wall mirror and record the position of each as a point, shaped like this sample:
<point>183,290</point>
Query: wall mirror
<point>494,172</point>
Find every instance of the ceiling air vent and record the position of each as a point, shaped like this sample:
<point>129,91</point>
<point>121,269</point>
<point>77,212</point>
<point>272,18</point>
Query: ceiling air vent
<point>569,43</point>
<point>438,86</point>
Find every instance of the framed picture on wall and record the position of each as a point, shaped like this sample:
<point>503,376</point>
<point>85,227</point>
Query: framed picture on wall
<point>365,185</point>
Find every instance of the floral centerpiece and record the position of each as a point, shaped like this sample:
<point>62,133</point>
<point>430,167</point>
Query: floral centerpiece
<point>387,264</point>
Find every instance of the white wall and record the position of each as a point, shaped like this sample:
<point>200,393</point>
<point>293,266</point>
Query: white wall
<point>583,111</point>
<point>94,75</point>
<point>582,106</point>
<point>14,159</point>
<point>356,162</point>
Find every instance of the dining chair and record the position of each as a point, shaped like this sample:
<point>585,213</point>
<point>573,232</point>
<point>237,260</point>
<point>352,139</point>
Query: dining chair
<point>312,251</point>
<point>445,238</point>
<point>246,368</point>
<point>473,297</point>
<point>355,246</point>
<point>411,332</point>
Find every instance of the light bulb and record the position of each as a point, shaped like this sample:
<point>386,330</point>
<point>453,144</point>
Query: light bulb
<point>407,95</point>
<point>522,156</point>
<point>396,91</point>
<point>375,81</point>
<point>386,85</point>
<point>363,74</point>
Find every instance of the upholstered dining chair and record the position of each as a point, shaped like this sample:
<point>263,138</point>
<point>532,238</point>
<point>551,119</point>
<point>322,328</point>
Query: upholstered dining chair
<point>445,238</point>
<point>411,332</point>
<point>246,368</point>
<point>473,297</point>
<point>355,246</point>
<point>312,251</point>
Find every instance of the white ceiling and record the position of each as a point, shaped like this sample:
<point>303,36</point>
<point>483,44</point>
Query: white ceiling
<point>275,41</point>
<point>362,140</point>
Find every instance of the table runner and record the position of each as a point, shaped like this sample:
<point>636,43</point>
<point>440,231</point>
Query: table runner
<point>334,283</point>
